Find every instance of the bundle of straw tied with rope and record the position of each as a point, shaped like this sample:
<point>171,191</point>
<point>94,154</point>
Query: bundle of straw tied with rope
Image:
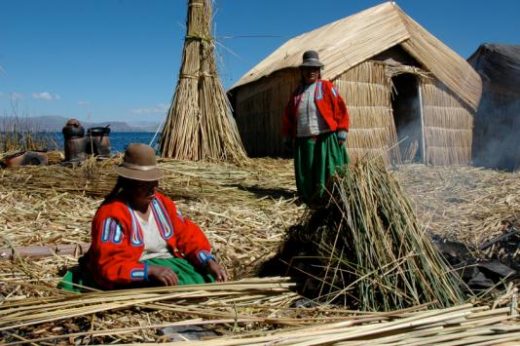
<point>361,269</point>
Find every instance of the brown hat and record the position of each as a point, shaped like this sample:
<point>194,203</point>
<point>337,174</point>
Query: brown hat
<point>139,163</point>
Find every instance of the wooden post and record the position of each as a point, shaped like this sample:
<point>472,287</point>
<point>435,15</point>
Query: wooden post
<point>43,251</point>
<point>421,111</point>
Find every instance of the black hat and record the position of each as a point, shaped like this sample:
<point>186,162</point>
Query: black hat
<point>311,59</point>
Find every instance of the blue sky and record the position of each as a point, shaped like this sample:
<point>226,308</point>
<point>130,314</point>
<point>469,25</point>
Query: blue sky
<point>119,59</point>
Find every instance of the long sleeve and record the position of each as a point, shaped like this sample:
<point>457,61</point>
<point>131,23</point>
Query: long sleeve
<point>114,253</point>
<point>189,238</point>
<point>340,112</point>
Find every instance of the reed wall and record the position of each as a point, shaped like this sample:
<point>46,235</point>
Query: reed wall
<point>258,111</point>
<point>448,125</point>
<point>367,92</point>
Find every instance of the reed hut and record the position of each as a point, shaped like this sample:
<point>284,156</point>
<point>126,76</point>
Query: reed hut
<point>408,94</point>
<point>496,143</point>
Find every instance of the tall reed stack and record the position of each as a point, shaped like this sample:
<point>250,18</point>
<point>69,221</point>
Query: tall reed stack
<point>373,255</point>
<point>200,123</point>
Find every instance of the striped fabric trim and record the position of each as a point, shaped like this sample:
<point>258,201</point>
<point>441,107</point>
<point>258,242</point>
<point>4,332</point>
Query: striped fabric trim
<point>334,92</point>
<point>319,92</point>
<point>204,257</point>
<point>136,238</point>
<point>162,219</point>
<point>112,231</point>
<point>138,274</point>
<point>118,234</point>
<point>179,215</point>
<point>105,234</point>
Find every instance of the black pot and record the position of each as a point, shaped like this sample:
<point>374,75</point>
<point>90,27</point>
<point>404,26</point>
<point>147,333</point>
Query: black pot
<point>98,131</point>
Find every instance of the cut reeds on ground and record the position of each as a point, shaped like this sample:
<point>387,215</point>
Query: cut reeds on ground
<point>245,210</point>
<point>200,124</point>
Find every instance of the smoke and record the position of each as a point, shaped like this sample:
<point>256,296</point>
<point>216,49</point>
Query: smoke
<point>407,117</point>
<point>496,138</point>
<point>409,134</point>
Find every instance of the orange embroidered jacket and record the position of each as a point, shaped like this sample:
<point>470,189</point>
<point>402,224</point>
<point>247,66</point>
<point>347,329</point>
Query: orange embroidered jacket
<point>330,104</point>
<point>117,241</point>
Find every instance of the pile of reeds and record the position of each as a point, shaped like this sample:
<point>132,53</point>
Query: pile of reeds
<point>104,316</point>
<point>200,124</point>
<point>460,325</point>
<point>244,210</point>
<point>373,254</point>
<point>467,204</point>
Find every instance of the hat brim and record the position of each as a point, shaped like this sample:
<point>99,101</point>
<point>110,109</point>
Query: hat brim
<point>134,174</point>
<point>311,64</point>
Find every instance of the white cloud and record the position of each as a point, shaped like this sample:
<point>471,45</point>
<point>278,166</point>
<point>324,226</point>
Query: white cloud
<point>160,108</point>
<point>46,96</point>
<point>14,96</point>
<point>83,103</point>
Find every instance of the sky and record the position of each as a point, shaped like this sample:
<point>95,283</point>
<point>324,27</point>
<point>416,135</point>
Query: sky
<point>107,60</point>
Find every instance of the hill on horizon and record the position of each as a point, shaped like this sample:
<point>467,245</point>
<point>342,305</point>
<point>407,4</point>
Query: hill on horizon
<point>55,123</point>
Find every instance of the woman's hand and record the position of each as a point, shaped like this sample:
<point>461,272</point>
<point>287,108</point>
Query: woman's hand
<point>218,272</point>
<point>164,275</point>
<point>342,136</point>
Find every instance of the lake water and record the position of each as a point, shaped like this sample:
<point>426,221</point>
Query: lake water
<point>118,140</point>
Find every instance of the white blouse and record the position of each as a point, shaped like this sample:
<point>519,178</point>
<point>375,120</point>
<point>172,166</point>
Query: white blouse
<point>154,244</point>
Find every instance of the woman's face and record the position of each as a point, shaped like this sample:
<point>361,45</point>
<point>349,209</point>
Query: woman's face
<point>310,74</point>
<point>141,193</point>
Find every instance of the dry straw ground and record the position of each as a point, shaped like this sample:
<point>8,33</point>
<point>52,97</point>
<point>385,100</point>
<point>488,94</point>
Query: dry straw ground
<point>245,210</point>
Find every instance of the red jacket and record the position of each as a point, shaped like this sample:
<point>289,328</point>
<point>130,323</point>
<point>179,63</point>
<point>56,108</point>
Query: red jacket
<point>330,104</point>
<point>117,241</point>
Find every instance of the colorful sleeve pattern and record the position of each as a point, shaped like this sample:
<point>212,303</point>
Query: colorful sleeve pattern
<point>116,248</point>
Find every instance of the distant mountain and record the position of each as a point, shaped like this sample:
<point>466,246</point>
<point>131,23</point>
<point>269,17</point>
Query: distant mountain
<point>54,123</point>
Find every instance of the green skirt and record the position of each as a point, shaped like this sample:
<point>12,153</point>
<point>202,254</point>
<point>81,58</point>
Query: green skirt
<point>76,278</point>
<point>316,159</point>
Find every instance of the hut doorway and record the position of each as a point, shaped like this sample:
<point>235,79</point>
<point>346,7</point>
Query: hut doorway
<point>406,106</point>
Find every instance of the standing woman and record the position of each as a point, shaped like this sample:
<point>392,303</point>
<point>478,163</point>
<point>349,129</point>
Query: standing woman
<point>316,121</point>
<point>140,238</point>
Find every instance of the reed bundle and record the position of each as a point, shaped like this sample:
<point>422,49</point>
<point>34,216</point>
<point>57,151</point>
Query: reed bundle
<point>374,253</point>
<point>200,124</point>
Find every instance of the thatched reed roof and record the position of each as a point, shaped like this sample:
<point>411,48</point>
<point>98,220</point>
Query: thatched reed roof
<point>349,41</point>
<point>498,65</point>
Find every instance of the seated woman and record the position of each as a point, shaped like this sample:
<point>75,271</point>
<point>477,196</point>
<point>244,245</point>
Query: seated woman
<point>140,238</point>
